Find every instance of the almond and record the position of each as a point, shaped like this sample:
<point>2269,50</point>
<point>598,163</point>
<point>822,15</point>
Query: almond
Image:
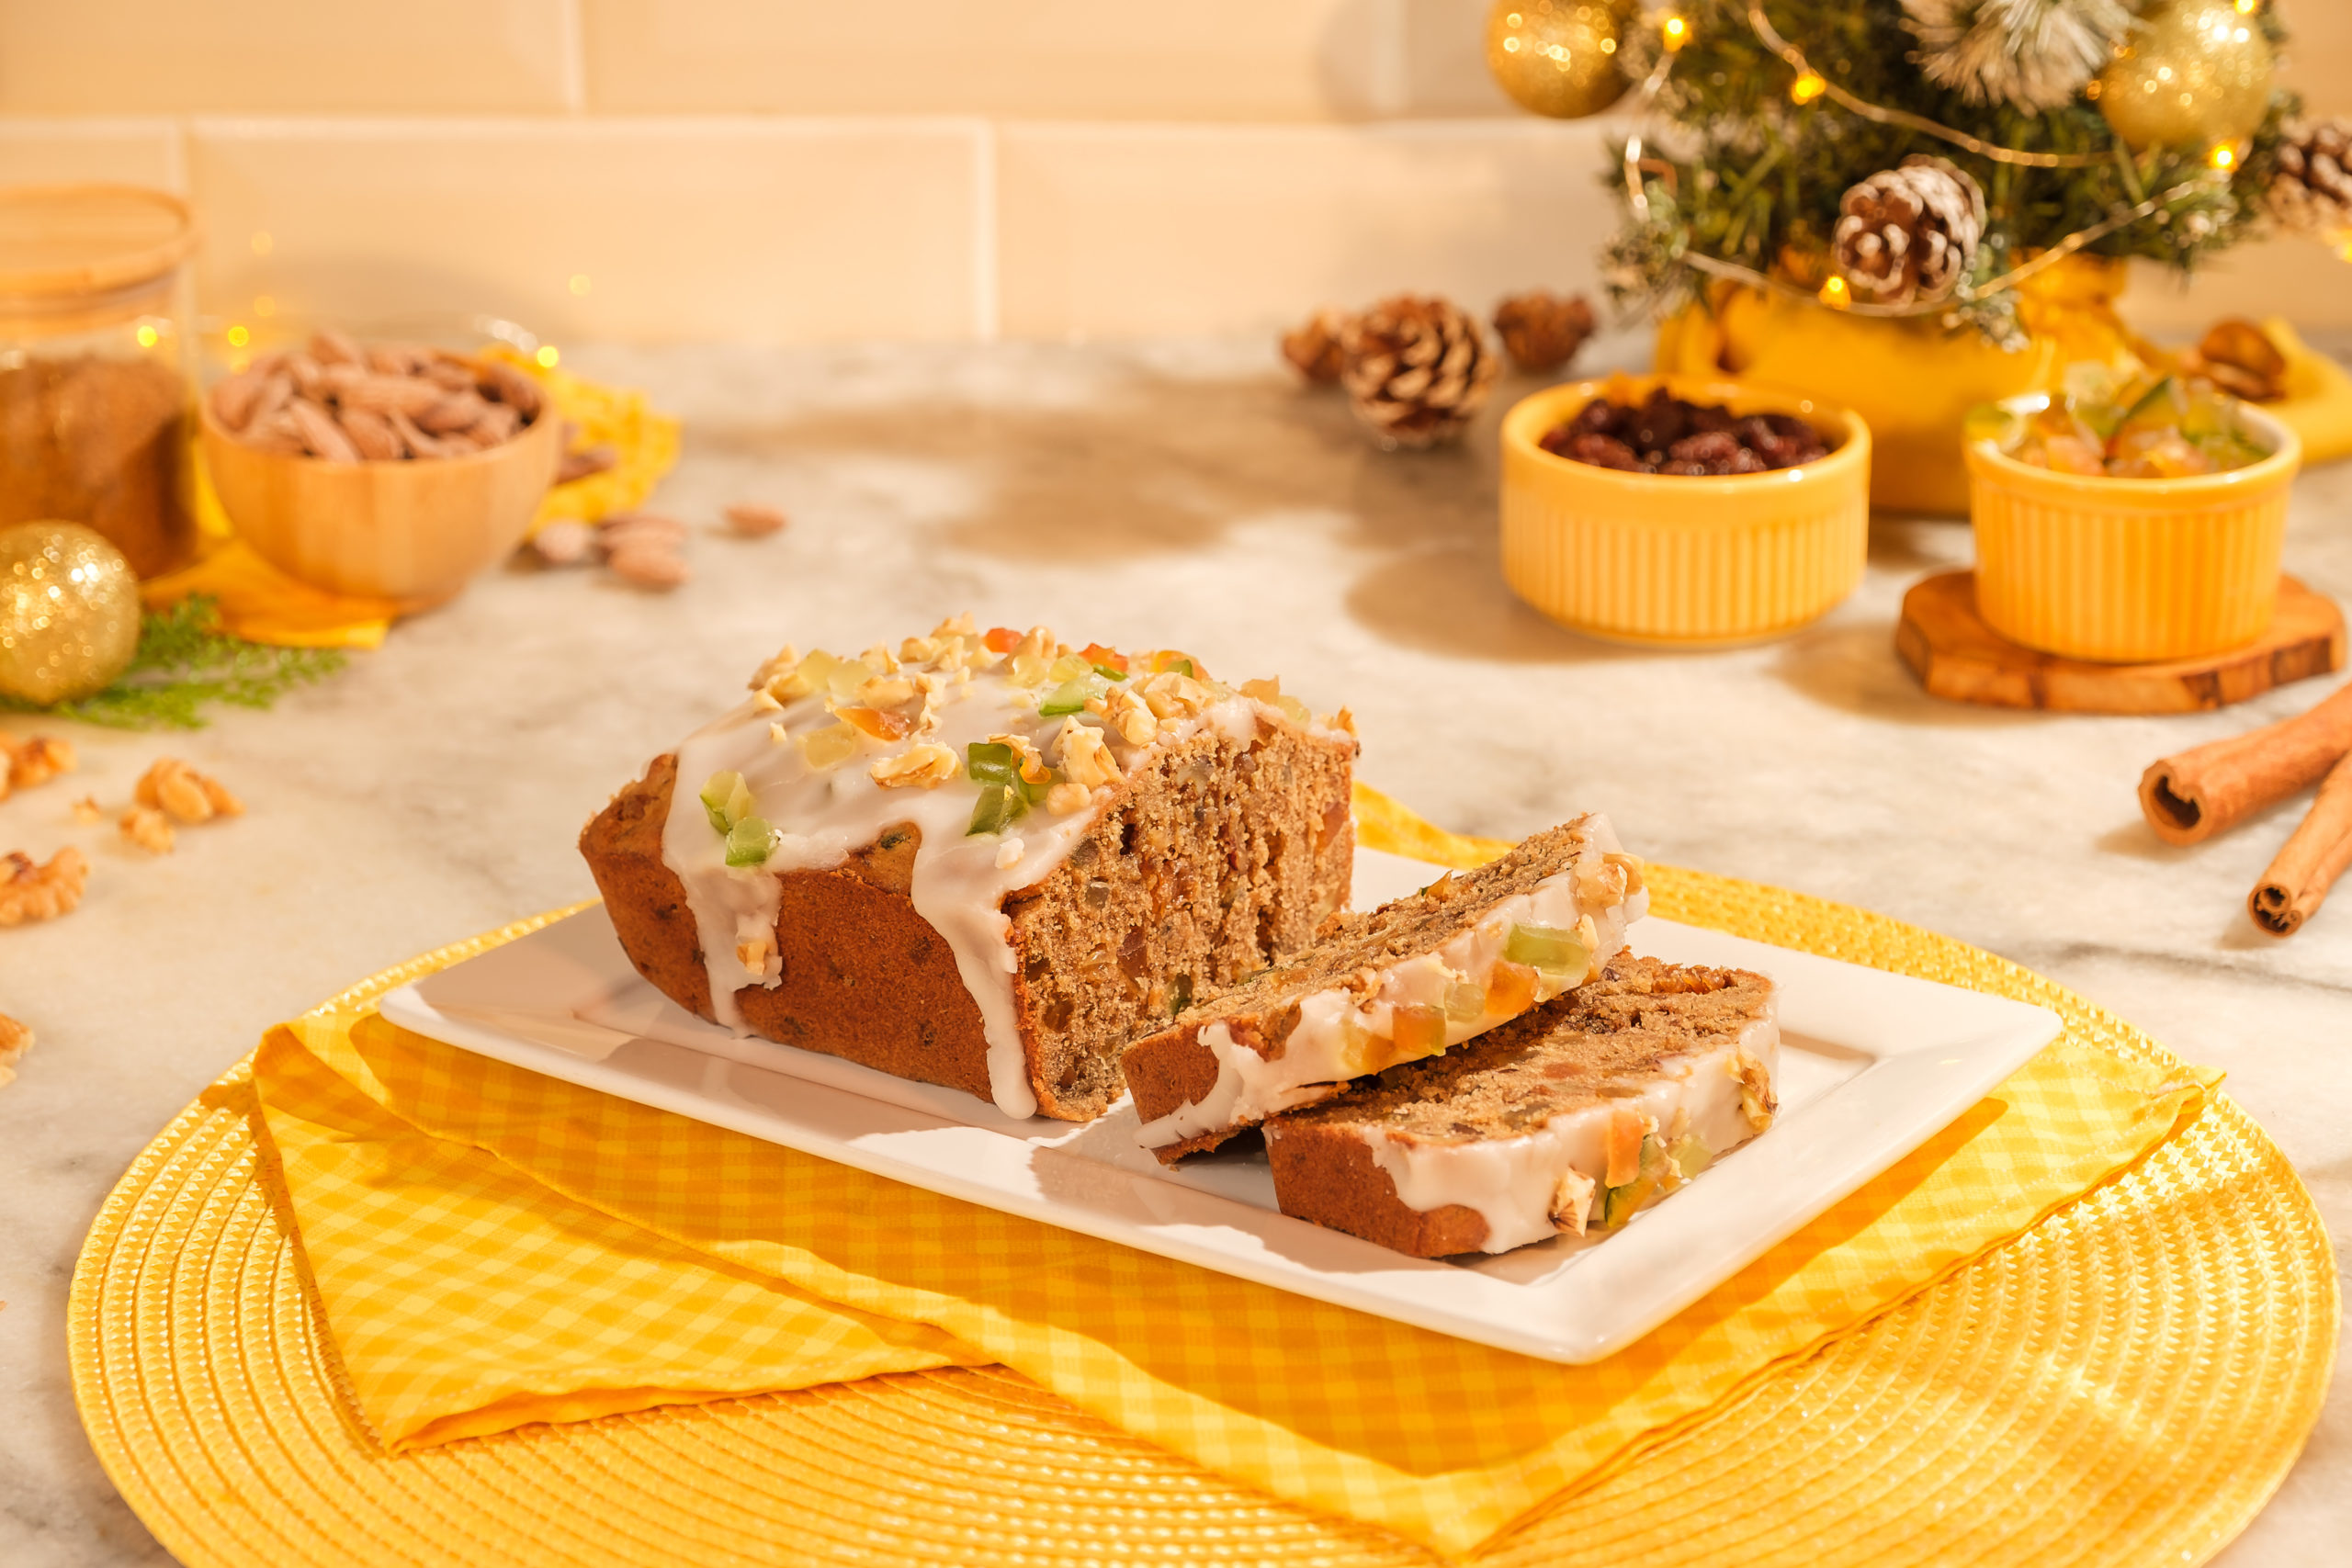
<point>234,398</point>
<point>755,521</point>
<point>321,437</point>
<point>580,465</point>
<point>649,566</point>
<point>329,346</point>
<point>374,435</point>
<point>383,394</point>
<point>451,412</point>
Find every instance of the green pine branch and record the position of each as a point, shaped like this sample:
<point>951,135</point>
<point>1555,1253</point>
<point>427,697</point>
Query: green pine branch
<point>184,663</point>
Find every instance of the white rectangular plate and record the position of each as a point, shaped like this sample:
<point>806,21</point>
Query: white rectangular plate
<point>1872,1066</point>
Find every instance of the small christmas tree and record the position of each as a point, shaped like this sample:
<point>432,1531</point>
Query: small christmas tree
<point>1909,156</point>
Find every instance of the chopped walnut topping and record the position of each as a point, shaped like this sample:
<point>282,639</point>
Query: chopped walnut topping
<point>31,892</point>
<point>918,650</point>
<point>1590,934</point>
<point>1756,1100</point>
<point>16,1038</point>
<point>1343,719</point>
<point>785,660</point>
<point>878,658</point>
<point>189,797</point>
<point>35,760</point>
<point>147,827</point>
<point>764,701</point>
<point>1038,644</point>
<point>753,952</point>
<point>1085,759</point>
<point>1631,865</point>
<point>1170,695</point>
<point>1032,761</point>
<point>1065,797</point>
<point>86,810</point>
<point>1571,1199</point>
<point>957,626</point>
<point>927,764</point>
<point>886,691</point>
<point>1265,690</point>
<point>1600,882</point>
<point>1127,713</point>
<point>1008,853</point>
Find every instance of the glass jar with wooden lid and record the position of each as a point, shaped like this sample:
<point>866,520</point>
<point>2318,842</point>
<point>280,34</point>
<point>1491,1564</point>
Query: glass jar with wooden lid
<point>95,383</point>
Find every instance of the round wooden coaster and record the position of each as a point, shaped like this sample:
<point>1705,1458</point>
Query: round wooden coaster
<point>1958,657</point>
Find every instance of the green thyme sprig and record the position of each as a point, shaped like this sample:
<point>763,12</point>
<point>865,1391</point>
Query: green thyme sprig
<point>186,662</point>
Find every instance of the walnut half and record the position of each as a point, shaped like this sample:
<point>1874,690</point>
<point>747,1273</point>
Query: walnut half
<point>31,892</point>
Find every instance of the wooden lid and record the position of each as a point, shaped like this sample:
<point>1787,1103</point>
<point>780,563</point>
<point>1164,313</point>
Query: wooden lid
<point>61,241</point>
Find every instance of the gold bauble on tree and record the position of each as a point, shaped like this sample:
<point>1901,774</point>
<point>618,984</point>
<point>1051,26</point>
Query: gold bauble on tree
<point>2193,74</point>
<point>69,612</point>
<point>1559,57</point>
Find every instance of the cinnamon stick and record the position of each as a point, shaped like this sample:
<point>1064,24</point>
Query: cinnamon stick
<point>2189,797</point>
<point>2290,892</point>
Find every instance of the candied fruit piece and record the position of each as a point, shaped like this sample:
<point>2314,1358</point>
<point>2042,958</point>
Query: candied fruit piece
<point>1418,1030</point>
<point>828,747</point>
<point>727,800</point>
<point>877,722</point>
<point>1553,949</point>
<point>1512,989</point>
<point>749,843</point>
<point>1107,662</point>
<point>1466,1002</point>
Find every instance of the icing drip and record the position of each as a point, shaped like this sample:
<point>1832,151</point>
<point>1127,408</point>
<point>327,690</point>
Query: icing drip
<point>1341,1034</point>
<point>1511,1182</point>
<point>810,775</point>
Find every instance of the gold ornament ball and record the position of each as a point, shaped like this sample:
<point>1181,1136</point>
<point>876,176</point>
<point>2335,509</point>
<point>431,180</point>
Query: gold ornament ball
<point>69,612</point>
<point>2195,72</point>
<point>1559,57</point>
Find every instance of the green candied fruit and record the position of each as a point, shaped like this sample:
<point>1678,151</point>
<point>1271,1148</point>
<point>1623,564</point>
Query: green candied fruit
<point>1180,994</point>
<point>1619,1203</point>
<point>997,807</point>
<point>1072,695</point>
<point>727,800</point>
<point>749,841</point>
<point>1548,948</point>
<point>1466,1001</point>
<point>1110,673</point>
<point>991,762</point>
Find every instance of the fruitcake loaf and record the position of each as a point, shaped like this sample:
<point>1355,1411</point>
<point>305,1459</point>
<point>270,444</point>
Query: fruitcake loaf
<point>987,862</point>
<point>1410,979</point>
<point>1573,1115</point>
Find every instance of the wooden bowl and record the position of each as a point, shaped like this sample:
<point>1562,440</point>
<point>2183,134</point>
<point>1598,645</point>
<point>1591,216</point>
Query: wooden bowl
<point>413,532</point>
<point>1682,559</point>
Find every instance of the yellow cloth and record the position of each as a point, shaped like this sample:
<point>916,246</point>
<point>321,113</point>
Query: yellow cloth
<point>261,604</point>
<point>494,1247</point>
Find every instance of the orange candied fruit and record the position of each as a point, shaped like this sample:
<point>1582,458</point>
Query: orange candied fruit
<point>1107,658</point>
<point>1002,639</point>
<point>1418,1030</point>
<point>881,725</point>
<point>1512,989</point>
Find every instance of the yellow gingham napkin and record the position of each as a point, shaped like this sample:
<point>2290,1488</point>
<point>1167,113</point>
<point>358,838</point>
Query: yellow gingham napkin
<point>494,1247</point>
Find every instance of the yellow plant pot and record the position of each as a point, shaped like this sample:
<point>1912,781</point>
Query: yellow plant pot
<point>1913,380</point>
<point>1675,559</point>
<point>2129,570</point>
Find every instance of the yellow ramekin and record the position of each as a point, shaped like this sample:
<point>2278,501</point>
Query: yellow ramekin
<point>2127,571</point>
<point>1675,559</point>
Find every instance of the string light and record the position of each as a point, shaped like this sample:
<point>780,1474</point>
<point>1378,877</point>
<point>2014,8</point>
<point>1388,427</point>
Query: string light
<point>1834,294</point>
<point>546,356</point>
<point>1673,33</point>
<point>146,335</point>
<point>238,336</point>
<point>1809,85</point>
<point>2224,156</point>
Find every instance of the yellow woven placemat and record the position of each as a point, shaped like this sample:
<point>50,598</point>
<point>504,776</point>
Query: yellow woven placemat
<point>2126,1382</point>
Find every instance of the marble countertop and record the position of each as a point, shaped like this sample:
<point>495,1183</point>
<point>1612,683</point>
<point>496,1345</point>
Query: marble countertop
<point>1178,495</point>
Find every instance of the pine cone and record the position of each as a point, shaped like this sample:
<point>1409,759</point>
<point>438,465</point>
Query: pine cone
<point>1416,369</point>
<point>1909,234</point>
<point>1542,332</point>
<point>1312,348</point>
<point>2312,192</point>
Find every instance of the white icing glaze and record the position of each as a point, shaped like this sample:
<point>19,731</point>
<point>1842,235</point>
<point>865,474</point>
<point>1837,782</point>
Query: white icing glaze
<point>823,814</point>
<point>1318,1055</point>
<point>1509,1181</point>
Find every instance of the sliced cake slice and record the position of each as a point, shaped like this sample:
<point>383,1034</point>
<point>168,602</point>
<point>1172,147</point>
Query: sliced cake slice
<point>1571,1116</point>
<point>1407,980</point>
